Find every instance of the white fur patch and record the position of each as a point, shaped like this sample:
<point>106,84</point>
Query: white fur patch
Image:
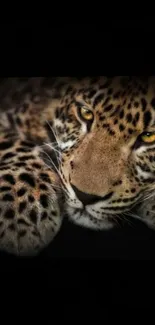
<point>84,128</point>
<point>140,150</point>
<point>68,144</point>
<point>143,149</point>
<point>142,173</point>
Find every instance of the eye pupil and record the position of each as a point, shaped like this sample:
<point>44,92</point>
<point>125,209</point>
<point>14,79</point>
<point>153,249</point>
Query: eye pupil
<point>86,114</point>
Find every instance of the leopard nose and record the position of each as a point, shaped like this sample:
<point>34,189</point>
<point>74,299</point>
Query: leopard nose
<point>86,198</point>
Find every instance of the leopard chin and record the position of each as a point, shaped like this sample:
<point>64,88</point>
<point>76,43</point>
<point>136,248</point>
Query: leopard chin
<point>83,218</point>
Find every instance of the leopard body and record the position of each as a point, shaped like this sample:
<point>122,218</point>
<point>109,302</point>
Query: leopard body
<point>53,162</point>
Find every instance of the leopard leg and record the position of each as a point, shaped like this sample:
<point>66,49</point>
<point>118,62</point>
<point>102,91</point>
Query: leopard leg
<point>30,198</point>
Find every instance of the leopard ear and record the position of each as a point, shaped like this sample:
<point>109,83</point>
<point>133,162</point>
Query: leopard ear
<point>125,80</point>
<point>13,91</point>
<point>56,87</point>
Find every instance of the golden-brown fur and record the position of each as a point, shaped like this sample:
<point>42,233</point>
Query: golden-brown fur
<point>102,169</point>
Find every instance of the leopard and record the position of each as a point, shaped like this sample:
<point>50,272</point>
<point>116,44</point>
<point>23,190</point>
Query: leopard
<point>81,148</point>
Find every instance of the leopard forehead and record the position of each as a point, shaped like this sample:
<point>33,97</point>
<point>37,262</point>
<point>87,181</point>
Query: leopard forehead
<point>124,104</point>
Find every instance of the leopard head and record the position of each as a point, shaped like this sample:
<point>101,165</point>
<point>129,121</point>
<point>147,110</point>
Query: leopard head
<point>105,129</point>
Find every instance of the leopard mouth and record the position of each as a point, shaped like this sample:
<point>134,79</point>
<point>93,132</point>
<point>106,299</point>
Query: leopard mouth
<point>89,218</point>
<point>102,211</point>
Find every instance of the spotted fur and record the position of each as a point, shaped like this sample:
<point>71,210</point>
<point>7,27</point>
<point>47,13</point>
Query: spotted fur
<point>52,162</point>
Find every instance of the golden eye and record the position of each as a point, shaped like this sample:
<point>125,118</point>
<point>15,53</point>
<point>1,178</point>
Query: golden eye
<point>86,113</point>
<point>148,137</point>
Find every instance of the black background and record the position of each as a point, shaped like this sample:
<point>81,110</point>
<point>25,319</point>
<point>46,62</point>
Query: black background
<point>119,47</point>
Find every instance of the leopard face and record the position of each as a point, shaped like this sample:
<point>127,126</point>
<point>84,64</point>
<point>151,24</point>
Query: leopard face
<point>105,130</point>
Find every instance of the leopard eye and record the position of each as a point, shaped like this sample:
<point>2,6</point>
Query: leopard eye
<point>86,114</point>
<point>145,138</point>
<point>148,137</point>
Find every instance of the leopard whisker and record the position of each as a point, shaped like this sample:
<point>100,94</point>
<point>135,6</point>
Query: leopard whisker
<point>55,168</point>
<point>52,147</point>
<point>53,131</point>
